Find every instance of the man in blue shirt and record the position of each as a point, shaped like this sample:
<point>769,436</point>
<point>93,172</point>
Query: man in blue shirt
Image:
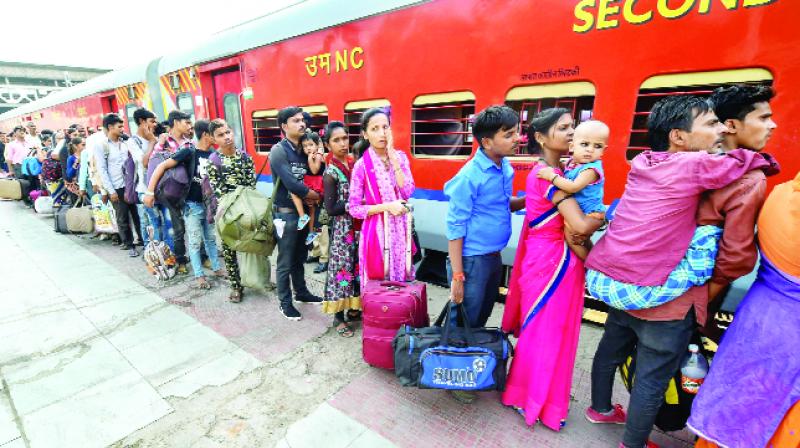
<point>479,214</point>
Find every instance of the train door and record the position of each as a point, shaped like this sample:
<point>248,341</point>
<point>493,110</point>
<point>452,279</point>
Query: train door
<point>109,104</point>
<point>227,87</point>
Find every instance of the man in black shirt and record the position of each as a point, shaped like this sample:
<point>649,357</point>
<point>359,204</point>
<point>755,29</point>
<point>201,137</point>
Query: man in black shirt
<point>180,124</point>
<point>198,231</point>
<point>288,162</point>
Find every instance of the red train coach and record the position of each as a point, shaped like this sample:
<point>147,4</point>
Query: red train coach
<point>438,62</point>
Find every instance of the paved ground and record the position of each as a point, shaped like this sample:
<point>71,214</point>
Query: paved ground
<point>97,353</point>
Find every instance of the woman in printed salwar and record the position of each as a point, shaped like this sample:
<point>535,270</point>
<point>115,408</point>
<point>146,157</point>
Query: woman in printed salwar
<point>380,186</point>
<point>342,277</point>
<point>758,357</point>
<point>545,298</point>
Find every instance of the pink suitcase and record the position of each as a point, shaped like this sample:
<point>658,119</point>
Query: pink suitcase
<point>386,307</point>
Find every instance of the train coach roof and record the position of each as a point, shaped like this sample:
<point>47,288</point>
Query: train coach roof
<point>295,20</point>
<point>105,82</point>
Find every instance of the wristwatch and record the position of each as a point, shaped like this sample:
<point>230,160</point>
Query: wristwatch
<point>149,193</point>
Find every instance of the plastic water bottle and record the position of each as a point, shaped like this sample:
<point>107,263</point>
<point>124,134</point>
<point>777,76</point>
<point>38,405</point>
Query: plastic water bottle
<point>694,370</point>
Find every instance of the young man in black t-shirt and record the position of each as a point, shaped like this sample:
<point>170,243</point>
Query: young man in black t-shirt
<point>198,231</point>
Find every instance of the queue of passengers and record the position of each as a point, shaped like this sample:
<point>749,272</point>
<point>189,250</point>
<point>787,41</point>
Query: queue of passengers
<point>682,231</point>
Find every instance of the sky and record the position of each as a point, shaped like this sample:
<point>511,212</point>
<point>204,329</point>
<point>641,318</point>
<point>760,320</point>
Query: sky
<point>116,34</point>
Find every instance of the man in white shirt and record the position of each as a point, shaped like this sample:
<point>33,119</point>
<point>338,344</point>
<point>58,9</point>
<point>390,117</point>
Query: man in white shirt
<point>110,155</point>
<point>141,146</point>
<point>31,138</point>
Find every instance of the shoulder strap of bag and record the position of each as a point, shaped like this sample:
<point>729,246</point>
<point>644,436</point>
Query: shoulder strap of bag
<point>138,141</point>
<point>275,186</point>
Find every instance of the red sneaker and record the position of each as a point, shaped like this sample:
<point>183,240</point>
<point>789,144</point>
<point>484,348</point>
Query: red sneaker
<point>616,418</point>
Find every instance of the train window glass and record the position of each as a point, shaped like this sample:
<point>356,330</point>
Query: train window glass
<point>186,104</point>
<point>266,131</point>
<point>577,97</point>
<point>352,116</point>
<point>698,83</point>
<point>319,117</point>
<point>440,125</point>
<point>129,110</point>
<point>233,115</point>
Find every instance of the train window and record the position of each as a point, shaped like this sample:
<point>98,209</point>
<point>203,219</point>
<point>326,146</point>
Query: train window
<point>319,117</point>
<point>440,124</point>
<point>352,116</point>
<point>698,83</point>
<point>266,131</point>
<point>129,110</point>
<point>233,115</point>
<point>577,97</point>
<point>186,104</point>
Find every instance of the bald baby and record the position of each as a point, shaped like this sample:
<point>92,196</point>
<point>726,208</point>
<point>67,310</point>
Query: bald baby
<point>589,141</point>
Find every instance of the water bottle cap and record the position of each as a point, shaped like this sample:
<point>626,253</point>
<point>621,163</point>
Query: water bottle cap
<point>694,348</point>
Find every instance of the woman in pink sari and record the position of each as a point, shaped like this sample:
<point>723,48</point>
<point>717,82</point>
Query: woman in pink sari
<point>381,184</point>
<point>545,298</point>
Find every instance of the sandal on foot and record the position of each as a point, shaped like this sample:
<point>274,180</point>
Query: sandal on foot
<point>221,273</point>
<point>202,283</point>
<point>345,331</point>
<point>236,296</point>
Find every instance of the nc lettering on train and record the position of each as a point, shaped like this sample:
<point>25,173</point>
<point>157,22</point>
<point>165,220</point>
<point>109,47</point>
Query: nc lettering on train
<point>606,14</point>
<point>340,61</point>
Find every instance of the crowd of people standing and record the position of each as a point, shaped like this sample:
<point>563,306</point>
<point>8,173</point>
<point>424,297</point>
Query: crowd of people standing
<point>682,231</point>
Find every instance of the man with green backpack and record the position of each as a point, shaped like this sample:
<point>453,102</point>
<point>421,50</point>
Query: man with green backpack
<point>243,215</point>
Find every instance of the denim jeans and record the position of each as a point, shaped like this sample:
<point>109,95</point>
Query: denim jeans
<point>150,217</point>
<point>660,347</point>
<point>198,233</point>
<point>292,254</point>
<point>178,232</point>
<point>483,276</point>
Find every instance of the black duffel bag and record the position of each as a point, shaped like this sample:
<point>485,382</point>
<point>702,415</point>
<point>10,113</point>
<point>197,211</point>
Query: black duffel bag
<point>443,357</point>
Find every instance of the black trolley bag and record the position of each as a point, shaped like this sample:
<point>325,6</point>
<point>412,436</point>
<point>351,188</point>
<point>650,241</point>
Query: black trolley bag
<point>443,357</point>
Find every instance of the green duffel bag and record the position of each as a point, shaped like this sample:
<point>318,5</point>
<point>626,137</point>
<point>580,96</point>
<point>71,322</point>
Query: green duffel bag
<point>244,221</point>
<point>254,271</point>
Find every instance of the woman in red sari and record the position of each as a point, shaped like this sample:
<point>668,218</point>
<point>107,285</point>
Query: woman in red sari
<point>545,298</point>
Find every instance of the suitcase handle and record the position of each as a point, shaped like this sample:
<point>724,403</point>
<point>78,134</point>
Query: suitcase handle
<point>394,284</point>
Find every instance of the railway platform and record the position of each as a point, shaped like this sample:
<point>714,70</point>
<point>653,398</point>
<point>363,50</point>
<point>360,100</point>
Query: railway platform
<point>97,353</point>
